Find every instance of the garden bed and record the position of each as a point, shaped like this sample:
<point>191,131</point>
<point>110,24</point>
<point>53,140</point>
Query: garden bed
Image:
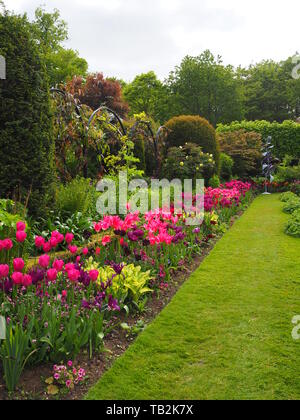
<point>32,384</point>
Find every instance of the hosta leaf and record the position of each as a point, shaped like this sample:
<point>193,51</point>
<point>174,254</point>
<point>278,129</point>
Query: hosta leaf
<point>52,390</point>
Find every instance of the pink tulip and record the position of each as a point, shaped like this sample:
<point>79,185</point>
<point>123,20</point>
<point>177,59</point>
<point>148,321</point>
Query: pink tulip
<point>47,247</point>
<point>73,275</point>
<point>98,251</point>
<point>97,227</point>
<point>17,278</point>
<point>18,264</point>
<point>7,244</point>
<point>27,280</point>
<point>39,241</point>
<point>106,240</point>
<point>44,261</point>
<point>94,274</point>
<point>73,249</point>
<point>21,226</point>
<point>4,271</point>
<point>69,267</point>
<point>85,251</point>
<point>21,236</point>
<point>69,238</point>
<point>52,274</point>
<point>53,242</point>
<point>58,265</point>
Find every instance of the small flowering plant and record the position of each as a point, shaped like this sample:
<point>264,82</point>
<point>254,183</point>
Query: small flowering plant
<point>65,378</point>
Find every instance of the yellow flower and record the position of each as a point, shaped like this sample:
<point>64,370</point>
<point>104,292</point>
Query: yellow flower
<point>181,164</point>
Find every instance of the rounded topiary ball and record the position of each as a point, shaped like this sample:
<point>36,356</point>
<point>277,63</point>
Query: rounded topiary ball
<point>193,129</point>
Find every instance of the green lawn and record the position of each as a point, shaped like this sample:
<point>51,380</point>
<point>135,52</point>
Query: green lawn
<point>227,332</point>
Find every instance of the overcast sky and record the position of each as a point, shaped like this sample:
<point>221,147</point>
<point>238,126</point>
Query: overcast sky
<point>123,38</point>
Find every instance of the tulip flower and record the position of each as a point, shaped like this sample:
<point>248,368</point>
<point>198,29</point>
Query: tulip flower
<point>21,226</point>
<point>73,275</point>
<point>4,271</point>
<point>39,241</point>
<point>21,236</point>
<point>69,238</point>
<point>52,274</point>
<point>17,278</point>
<point>94,274</point>
<point>58,265</point>
<point>44,261</point>
<point>27,280</point>
<point>18,264</point>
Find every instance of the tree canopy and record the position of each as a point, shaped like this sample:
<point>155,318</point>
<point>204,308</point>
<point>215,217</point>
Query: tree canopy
<point>203,86</point>
<point>50,32</point>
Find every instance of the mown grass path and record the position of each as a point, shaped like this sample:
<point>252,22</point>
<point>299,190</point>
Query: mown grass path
<point>227,332</point>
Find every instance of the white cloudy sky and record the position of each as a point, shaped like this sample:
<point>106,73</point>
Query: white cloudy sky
<point>123,38</point>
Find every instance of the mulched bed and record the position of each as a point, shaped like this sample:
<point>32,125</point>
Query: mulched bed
<point>32,385</point>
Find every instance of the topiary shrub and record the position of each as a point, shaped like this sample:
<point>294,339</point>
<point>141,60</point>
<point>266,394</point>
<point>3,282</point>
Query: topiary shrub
<point>226,167</point>
<point>245,150</point>
<point>193,129</point>
<point>188,162</point>
<point>26,140</point>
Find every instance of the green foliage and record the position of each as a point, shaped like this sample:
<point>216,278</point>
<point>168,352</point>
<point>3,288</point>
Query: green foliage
<point>147,94</point>
<point>65,64</point>
<point>295,187</point>
<point>270,93</point>
<point>202,85</point>
<point>188,162</point>
<point>287,196</point>
<point>292,227</point>
<point>75,197</point>
<point>193,129</point>
<point>285,136</point>
<point>51,31</point>
<point>245,150</point>
<point>80,225</point>
<point>287,173</point>
<point>26,137</point>
<point>8,221</point>
<point>214,182</point>
<point>131,285</point>
<point>291,205</point>
<point>226,166</point>
<point>13,353</point>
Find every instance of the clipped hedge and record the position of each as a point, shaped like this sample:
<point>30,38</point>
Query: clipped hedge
<point>286,136</point>
<point>193,129</point>
<point>26,137</point>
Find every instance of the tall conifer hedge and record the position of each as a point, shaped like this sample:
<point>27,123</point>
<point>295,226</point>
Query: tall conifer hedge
<point>26,137</point>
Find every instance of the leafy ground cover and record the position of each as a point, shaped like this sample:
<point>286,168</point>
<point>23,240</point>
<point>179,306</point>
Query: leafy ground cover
<point>227,332</point>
